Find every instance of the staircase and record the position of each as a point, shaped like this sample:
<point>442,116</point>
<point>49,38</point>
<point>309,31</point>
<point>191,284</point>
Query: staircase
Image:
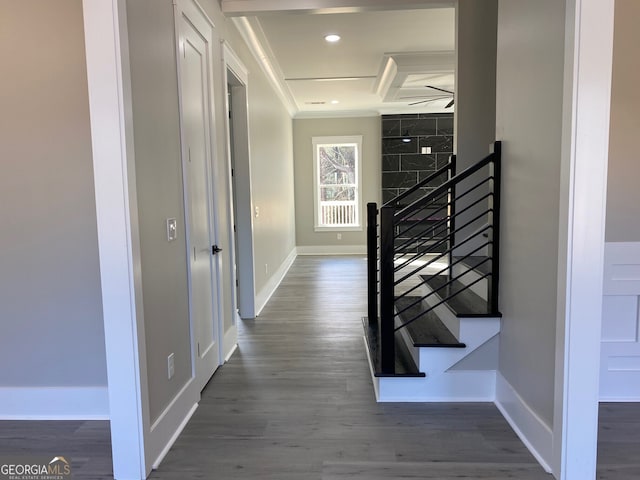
<point>433,270</point>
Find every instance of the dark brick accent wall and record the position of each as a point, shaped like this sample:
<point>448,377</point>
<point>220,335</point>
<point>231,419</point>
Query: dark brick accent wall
<point>402,163</point>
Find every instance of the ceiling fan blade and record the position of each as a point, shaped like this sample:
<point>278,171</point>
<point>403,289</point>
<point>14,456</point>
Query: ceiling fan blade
<point>440,89</point>
<point>450,104</point>
<point>427,97</point>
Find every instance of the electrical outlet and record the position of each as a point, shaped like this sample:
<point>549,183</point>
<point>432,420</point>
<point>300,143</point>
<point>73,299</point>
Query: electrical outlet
<point>339,235</point>
<point>171,369</point>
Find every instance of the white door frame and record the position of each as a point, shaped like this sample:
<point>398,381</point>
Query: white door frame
<point>109,84</point>
<point>587,94</point>
<point>244,221</point>
<point>194,14</point>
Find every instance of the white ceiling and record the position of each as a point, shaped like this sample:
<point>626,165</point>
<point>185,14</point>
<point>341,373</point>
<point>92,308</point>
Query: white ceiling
<point>382,63</point>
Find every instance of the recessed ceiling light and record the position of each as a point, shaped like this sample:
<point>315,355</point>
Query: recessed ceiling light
<point>332,38</point>
<point>335,102</point>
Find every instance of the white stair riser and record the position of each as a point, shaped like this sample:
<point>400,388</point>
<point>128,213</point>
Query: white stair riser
<point>442,311</point>
<point>457,386</point>
<point>474,332</point>
<point>440,383</point>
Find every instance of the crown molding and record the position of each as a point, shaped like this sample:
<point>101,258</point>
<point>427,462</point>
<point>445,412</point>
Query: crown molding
<point>253,35</point>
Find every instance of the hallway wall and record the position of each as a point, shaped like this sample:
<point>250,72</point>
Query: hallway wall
<point>51,315</point>
<point>160,190</point>
<point>304,129</point>
<point>530,69</point>
<point>160,193</point>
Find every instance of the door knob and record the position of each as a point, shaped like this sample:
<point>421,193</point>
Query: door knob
<point>215,249</point>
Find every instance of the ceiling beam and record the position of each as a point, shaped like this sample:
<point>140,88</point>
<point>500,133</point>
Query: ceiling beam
<point>233,8</point>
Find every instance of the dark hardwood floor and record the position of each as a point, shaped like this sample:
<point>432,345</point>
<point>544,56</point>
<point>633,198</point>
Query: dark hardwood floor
<point>296,402</point>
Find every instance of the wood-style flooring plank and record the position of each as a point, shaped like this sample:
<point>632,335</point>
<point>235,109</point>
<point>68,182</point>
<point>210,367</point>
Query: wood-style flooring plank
<point>295,402</point>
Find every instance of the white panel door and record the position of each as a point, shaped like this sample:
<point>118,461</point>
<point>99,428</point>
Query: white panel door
<point>196,110</point>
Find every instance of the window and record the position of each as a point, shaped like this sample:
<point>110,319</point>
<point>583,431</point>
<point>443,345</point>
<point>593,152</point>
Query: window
<point>336,162</point>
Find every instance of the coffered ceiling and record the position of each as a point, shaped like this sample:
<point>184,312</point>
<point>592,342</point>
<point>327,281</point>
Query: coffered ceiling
<point>382,63</point>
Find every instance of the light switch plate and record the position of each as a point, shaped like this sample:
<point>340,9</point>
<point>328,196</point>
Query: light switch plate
<point>172,229</point>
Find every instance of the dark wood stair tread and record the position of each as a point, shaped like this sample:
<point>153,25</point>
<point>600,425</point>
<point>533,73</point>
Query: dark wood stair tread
<point>428,330</point>
<point>466,303</point>
<point>404,364</point>
<point>480,264</point>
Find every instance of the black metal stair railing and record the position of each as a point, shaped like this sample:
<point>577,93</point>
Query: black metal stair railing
<point>446,233</point>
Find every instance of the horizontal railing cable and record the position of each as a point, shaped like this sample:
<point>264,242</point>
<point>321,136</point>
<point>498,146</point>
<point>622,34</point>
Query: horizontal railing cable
<point>442,206</point>
<point>443,241</point>
<point>444,223</point>
<point>415,287</point>
<point>413,272</point>
<point>441,302</point>
<point>453,181</point>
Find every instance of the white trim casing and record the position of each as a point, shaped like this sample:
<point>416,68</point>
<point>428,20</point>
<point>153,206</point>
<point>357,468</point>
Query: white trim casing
<point>585,139</point>
<point>529,426</point>
<point>54,403</point>
<point>109,86</point>
<point>269,289</point>
<point>239,185</point>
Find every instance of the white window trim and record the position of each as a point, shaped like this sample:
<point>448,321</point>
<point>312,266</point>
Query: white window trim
<point>357,139</point>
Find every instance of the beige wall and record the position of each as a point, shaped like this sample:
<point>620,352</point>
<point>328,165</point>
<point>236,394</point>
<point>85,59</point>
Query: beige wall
<point>303,131</point>
<point>51,311</point>
<point>623,193</point>
<point>475,117</point>
<point>160,196</point>
<point>530,68</point>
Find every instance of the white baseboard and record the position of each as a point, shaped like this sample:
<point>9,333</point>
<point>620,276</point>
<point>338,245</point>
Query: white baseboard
<point>267,291</point>
<point>532,430</point>
<point>230,340</point>
<point>231,352</point>
<point>618,399</point>
<point>174,437</point>
<point>165,429</point>
<point>54,403</point>
<point>332,250</point>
